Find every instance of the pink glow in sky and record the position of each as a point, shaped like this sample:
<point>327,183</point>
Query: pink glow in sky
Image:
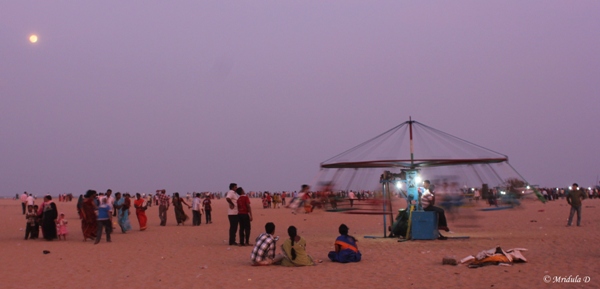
<point>193,95</point>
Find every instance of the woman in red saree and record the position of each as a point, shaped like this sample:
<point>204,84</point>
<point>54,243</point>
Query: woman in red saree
<point>88,216</point>
<point>140,211</point>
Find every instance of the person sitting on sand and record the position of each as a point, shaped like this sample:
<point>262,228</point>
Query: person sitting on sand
<point>294,249</point>
<point>345,248</point>
<point>263,253</point>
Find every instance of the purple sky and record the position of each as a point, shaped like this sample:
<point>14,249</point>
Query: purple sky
<point>191,95</point>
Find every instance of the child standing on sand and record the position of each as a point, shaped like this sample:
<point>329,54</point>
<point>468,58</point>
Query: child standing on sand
<point>61,227</point>
<point>31,215</point>
<point>35,233</point>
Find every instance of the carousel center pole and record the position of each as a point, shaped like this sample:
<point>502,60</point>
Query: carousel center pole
<point>412,191</point>
<point>385,186</point>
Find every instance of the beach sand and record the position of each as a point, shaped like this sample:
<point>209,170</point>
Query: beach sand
<point>199,257</point>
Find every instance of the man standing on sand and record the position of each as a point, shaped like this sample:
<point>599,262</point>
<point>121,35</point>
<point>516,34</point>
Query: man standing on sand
<point>111,200</point>
<point>207,208</point>
<point>30,200</point>
<point>24,201</point>
<point>163,206</point>
<point>232,212</point>
<point>351,197</point>
<point>104,220</point>
<point>196,210</point>
<point>574,198</point>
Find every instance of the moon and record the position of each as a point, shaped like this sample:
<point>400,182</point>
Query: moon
<point>33,38</point>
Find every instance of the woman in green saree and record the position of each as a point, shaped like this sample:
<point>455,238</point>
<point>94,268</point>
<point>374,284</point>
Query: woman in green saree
<point>294,249</point>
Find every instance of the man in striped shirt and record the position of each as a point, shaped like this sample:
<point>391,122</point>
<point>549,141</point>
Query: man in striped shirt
<point>163,206</point>
<point>263,253</point>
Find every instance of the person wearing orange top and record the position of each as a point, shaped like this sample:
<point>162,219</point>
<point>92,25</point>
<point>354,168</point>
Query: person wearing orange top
<point>140,211</point>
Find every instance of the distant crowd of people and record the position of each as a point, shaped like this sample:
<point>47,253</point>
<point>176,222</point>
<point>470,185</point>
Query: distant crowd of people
<point>97,211</point>
<point>552,194</point>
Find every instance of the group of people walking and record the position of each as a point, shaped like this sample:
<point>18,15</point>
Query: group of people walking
<point>274,201</point>
<point>96,211</point>
<point>198,207</point>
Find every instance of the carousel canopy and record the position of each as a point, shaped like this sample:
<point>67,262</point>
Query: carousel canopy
<point>438,155</point>
<point>431,147</point>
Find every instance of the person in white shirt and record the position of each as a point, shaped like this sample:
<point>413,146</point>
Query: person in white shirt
<point>428,202</point>
<point>477,195</point>
<point>30,200</point>
<point>196,210</point>
<point>111,200</point>
<point>232,212</point>
<point>23,199</point>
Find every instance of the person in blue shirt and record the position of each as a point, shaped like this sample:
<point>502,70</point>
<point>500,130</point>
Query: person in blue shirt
<point>104,220</point>
<point>345,248</point>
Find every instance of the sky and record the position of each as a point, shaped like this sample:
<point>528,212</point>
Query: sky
<point>192,95</point>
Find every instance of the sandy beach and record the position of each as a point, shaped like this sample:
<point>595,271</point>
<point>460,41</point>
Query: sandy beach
<point>199,257</point>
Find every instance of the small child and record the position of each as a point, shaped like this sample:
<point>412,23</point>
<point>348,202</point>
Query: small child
<point>61,227</point>
<point>31,215</point>
<point>35,233</point>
